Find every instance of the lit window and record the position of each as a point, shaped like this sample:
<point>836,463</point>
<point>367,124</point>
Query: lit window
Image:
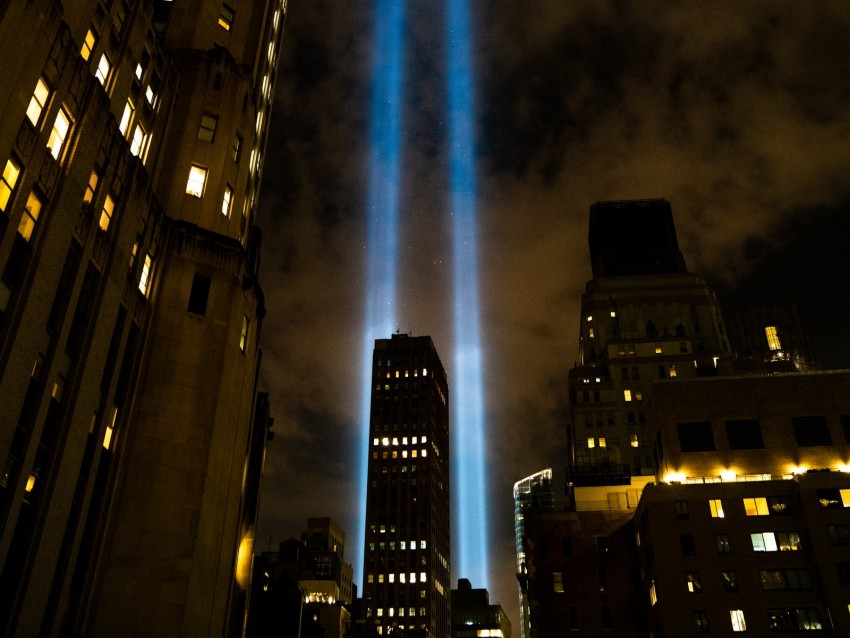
<point>37,101</point>
<point>716,508</point>
<point>124,125</point>
<point>206,132</point>
<point>627,395</point>
<point>653,597</point>
<point>138,140</point>
<point>737,618</point>
<point>589,318</point>
<point>693,581</point>
<point>591,442</point>
<point>11,172</point>
<point>237,146</point>
<point>602,441</point>
<point>60,131</point>
<point>197,180</point>
<point>145,279</point>
<point>94,178</point>
<point>634,440</point>
<point>638,395</point>
<point>775,541</point>
<point>772,338</point>
<point>139,71</point>
<point>88,45</point>
<point>658,350</point>
<point>30,217</point>
<point>225,18</point>
<point>106,213</point>
<point>103,68</point>
<point>150,96</point>
<point>756,506</point>
<point>243,336</point>
<point>590,333</point>
<point>672,372</point>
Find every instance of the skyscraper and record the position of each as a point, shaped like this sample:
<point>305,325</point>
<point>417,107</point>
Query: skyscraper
<point>531,493</point>
<point>131,437</point>
<point>407,553</point>
<point>644,317</point>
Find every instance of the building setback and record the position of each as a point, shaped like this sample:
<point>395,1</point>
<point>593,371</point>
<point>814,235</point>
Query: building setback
<point>474,617</point>
<point>131,435</point>
<point>407,553</point>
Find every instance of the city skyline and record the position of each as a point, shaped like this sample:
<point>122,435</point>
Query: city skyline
<point>738,119</point>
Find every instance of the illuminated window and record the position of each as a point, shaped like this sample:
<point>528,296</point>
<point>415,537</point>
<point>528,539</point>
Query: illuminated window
<point>237,147</point>
<point>693,582</point>
<point>126,117</point>
<point>658,350</point>
<point>782,579</point>
<point>834,498</point>
<point>243,340</point>
<point>590,318</point>
<point>145,279</point>
<point>775,541</point>
<point>138,139</point>
<point>370,579</point>
<point>638,395</point>
<point>30,217</point>
<point>88,45</point>
<point>613,313</point>
<point>61,126</point>
<point>106,213</point>
<point>103,68</point>
<point>150,96</point>
<point>37,101</point>
<point>716,507</point>
<point>634,441</point>
<point>197,180</point>
<point>590,333</point>
<point>653,596</point>
<point>627,395</point>
<point>591,442</point>
<point>756,506</point>
<point>772,338</point>
<point>602,441</point>
<point>91,187</point>
<point>737,618</point>
<point>225,18</point>
<point>672,372</point>
<point>227,201</point>
<point>8,180</point>
<point>206,132</point>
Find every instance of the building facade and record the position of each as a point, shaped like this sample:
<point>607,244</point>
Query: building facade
<point>407,555</point>
<point>533,493</point>
<point>644,317</point>
<point>474,617</point>
<point>323,573</point>
<point>131,437</point>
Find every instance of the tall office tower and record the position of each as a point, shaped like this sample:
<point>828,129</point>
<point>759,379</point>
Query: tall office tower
<point>131,439</point>
<point>533,493</point>
<point>407,553</point>
<point>473,616</point>
<point>644,317</point>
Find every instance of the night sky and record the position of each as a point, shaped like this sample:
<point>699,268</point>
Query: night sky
<point>738,113</point>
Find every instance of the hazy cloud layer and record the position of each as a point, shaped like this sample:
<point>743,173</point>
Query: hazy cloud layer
<point>735,112</point>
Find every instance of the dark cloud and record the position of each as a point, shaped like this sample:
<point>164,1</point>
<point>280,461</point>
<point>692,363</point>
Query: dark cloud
<point>735,112</point>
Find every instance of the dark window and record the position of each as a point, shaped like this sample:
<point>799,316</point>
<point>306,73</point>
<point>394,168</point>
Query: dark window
<point>700,621</point>
<point>844,573</point>
<point>723,546</point>
<point>811,430</point>
<point>682,510</point>
<point>779,505</point>
<point>606,617</point>
<point>744,435</point>
<point>568,547</point>
<point>845,426</point>
<point>572,617</point>
<point>696,437</point>
<point>543,548</point>
<point>730,580</point>
<point>602,577</point>
<point>838,534</point>
<point>688,546</point>
<point>199,294</point>
<point>794,619</point>
<point>603,546</point>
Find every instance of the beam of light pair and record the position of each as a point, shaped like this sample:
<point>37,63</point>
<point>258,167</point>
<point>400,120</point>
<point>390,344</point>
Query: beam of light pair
<point>469,512</point>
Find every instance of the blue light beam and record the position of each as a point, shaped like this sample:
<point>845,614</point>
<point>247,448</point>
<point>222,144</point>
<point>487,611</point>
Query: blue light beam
<point>382,224</point>
<point>470,519</point>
